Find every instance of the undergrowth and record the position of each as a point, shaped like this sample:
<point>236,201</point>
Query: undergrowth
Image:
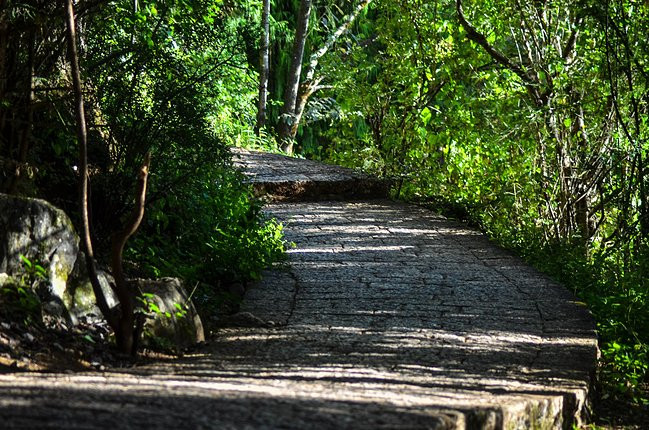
<point>212,233</point>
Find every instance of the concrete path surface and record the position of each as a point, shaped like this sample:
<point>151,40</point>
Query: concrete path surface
<point>387,316</point>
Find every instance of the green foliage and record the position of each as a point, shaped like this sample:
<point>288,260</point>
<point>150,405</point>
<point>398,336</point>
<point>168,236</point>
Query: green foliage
<point>550,162</point>
<point>18,298</point>
<point>172,77</point>
<point>211,230</point>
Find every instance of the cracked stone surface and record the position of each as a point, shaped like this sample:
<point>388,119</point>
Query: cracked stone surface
<point>386,316</point>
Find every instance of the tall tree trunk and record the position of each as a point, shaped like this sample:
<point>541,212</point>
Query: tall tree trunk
<point>122,323</point>
<point>264,71</point>
<point>82,136</point>
<point>287,116</point>
<point>311,85</point>
<point>300,93</point>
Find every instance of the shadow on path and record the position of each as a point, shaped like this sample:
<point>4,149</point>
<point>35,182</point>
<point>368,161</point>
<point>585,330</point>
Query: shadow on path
<point>388,316</point>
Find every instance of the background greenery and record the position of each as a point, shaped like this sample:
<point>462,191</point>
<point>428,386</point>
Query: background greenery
<point>552,166</point>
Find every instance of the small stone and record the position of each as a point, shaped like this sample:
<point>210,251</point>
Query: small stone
<point>29,337</point>
<point>5,326</point>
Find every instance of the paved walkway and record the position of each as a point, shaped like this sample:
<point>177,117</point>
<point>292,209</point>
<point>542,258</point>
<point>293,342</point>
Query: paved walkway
<point>289,179</point>
<point>388,316</point>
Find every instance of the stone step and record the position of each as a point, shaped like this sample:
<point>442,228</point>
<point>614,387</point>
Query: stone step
<point>280,178</point>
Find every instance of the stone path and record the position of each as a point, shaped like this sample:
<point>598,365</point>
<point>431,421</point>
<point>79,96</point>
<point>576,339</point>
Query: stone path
<point>387,317</point>
<point>290,179</point>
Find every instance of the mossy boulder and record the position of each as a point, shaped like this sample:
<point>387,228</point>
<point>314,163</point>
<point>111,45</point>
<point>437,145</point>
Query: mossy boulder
<point>41,233</point>
<point>79,297</point>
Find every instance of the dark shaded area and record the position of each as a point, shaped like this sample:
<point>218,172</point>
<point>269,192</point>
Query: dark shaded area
<point>141,407</point>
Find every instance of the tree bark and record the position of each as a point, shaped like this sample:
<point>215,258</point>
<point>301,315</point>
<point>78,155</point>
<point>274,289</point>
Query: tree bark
<point>122,323</point>
<point>82,136</point>
<point>332,39</point>
<point>287,116</point>
<point>297,95</point>
<point>264,70</point>
<point>126,333</point>
<point>309,85</point>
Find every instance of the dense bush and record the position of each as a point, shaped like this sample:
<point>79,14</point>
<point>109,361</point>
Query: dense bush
<point>210,230</point>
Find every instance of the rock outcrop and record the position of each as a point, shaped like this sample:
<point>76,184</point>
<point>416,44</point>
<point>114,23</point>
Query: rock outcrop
<point>43,234</point>
<point>79,298</point>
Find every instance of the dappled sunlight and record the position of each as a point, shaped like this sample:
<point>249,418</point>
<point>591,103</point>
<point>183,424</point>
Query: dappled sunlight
<point>319,369</point>
<point>425,322</point>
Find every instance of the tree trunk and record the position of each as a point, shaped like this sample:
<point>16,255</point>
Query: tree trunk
<point>264,71</point>
<point>306,90</point>
<point>123,324</point>
<point>126,334</point>
<point>82,136</point>
<point>287,116</point>
<point>310,85</point>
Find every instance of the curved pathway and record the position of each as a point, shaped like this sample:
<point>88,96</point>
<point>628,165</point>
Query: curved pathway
<point>386,316</point>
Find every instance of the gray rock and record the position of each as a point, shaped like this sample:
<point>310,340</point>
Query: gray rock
<point>42,233</point>
<point>79,297</point>
<point>179,327</point>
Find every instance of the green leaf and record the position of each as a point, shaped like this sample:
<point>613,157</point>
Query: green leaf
<point>26,261</point>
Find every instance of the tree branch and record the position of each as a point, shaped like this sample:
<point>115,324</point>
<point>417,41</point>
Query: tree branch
<point>126,338</point>
<point>473,34</point>
<point>348,21</point>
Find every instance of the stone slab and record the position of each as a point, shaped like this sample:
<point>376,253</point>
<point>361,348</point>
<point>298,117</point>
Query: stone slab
<point>281,178</point>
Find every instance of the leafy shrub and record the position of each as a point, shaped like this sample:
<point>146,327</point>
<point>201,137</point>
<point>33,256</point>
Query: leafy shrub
<point>211,230</point>
<point>18,298</point>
